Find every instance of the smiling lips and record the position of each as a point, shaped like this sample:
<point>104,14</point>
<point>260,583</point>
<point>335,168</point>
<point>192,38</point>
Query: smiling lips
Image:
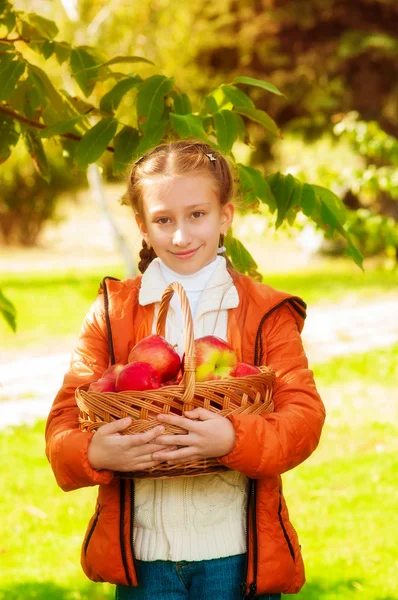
<point>187,254</point>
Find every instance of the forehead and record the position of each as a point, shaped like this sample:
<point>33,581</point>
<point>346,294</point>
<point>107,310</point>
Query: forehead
<point>173,193</point>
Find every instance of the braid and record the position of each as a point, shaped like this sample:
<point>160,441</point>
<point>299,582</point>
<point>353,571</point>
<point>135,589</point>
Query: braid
<point>146,255</point>
<point>227,260</point>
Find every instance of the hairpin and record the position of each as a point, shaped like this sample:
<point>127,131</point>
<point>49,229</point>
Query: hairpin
<point>211,156</point>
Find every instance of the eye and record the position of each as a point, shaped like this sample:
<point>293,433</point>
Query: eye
<point>197,214</point>
<point>162,220</point>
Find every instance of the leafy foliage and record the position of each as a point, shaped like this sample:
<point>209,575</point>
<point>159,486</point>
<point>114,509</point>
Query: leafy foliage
<point>91,126</point>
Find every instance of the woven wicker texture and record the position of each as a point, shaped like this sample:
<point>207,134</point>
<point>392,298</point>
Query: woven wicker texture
<point>251,394</point>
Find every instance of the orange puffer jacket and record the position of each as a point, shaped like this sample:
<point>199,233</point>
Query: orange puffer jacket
<point>264,329</point>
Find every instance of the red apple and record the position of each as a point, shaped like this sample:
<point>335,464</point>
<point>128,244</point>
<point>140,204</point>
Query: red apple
<point>215,359</point>
<point>138,376</point>
<point>244,369</point>
<point>113,371</point>
<point>156,350</point>
<point>105,384</point>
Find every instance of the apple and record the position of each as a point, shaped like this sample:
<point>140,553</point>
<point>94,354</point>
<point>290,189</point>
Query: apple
<point>215,359</point>
<point>113,371</point>
<point>244,369</point>
<point>138,376</point>
<point>156,350</point>
<point>105,384</point>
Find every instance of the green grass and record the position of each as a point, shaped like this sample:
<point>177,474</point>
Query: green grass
<point>52,305</point>
<point>377,365</point>
<point>342,500</point>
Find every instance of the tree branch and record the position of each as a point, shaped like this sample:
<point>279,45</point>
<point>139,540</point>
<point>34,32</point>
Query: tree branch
<point>18,39</point>
<point>37,125</point>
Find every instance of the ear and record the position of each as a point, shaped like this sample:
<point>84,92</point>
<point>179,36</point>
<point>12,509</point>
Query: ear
<point>142,227</point>
<point>227,216</point>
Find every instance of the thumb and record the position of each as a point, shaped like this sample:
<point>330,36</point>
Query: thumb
<point>114,427</point>
<point>200,413</point>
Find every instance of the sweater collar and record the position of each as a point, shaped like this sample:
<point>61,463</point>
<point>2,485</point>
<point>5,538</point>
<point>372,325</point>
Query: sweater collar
<point>220,292</point>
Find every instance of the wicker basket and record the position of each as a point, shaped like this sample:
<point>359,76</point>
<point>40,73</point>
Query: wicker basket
<point>251,394</point>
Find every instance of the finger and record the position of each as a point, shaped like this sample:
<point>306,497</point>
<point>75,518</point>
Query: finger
<point>181,453</point>
<point>114,427</point>
<point>182,422</point>
<point>200,413</point>
<point>138,439</point>
<point>176,439</point>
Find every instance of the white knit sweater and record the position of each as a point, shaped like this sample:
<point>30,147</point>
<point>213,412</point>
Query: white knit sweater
<point>201,517</point>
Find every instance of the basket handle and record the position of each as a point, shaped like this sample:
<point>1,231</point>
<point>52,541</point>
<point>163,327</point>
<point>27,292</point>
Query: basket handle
<point>188,380</point>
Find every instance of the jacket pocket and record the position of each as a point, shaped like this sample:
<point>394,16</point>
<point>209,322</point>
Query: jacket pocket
<point>284,529</point>
<point>91,529</point>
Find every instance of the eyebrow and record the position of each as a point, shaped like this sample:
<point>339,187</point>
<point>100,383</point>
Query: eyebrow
<point>165,210</point>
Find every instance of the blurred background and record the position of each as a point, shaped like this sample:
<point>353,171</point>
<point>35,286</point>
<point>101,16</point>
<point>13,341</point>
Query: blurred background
<point>337,64</point>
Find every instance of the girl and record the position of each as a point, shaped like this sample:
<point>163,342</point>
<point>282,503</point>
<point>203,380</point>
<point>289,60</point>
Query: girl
<point>217,536</point>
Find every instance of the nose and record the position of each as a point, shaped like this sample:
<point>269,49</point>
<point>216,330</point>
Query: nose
<point>181,237</point>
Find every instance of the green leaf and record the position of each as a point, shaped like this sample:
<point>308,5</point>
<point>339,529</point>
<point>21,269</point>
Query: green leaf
<point>259,116</point>
<point>237,97</point>
<point>48,49</point>
<point>188,126</point>
<point>85,69</point>
<point>93,144</point>
<point>79,105</point>
<point>240,256</point>
<point>111,100</point>
<point>150,100</point>
<point>307,200</point>
<point>7,309</point>
<point>258,83</point>
<point>10,72</point>
<point>211,104</point>
<point>125,144</point>
<point>126,59</point>
<point>182,103</point>
<point>35,148</point>
<point>333,202</point>
<point>48,91</point>
<point>45,27</point>
<point>353,252</point>
<point>254,181</point>
<point>9,20</point>
<point>67,126</point>
<point>8,137</point>
<point>62,51</point>
<point>3,6</point>
<point>152,137</point>
<point>282,187</point>
<point>226,129</point>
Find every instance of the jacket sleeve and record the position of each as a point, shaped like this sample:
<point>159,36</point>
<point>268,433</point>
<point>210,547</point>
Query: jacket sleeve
<point>66,444</point>
<point>270,444</point>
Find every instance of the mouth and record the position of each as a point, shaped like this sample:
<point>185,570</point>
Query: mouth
<point>185,255</point>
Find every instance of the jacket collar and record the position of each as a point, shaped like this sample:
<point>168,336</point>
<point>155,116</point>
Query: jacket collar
<point>220,292</point>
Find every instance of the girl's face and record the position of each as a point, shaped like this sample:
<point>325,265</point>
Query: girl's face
<point>183,220</point>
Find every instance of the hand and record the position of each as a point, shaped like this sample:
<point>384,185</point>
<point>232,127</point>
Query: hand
<point>109,449</point>
<point>209,435</point>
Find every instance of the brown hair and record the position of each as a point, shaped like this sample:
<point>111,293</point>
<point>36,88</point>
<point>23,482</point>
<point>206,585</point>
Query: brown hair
<point>178,158</point>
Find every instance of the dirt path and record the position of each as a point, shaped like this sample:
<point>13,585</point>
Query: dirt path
<point>29,383</point>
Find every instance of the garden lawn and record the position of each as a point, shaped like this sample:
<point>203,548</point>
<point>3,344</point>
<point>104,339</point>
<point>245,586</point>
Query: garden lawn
<point>342,500</point>
<point>51,305</point>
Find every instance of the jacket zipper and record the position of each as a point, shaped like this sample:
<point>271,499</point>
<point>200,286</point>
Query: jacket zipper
<point>93,526</point>
<point>298,305</point>
<point>121,529</point>
<point>132,516</point>
<point>288,541</point>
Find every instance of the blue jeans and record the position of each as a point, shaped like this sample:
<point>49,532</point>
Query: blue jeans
<point>216,579</point>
